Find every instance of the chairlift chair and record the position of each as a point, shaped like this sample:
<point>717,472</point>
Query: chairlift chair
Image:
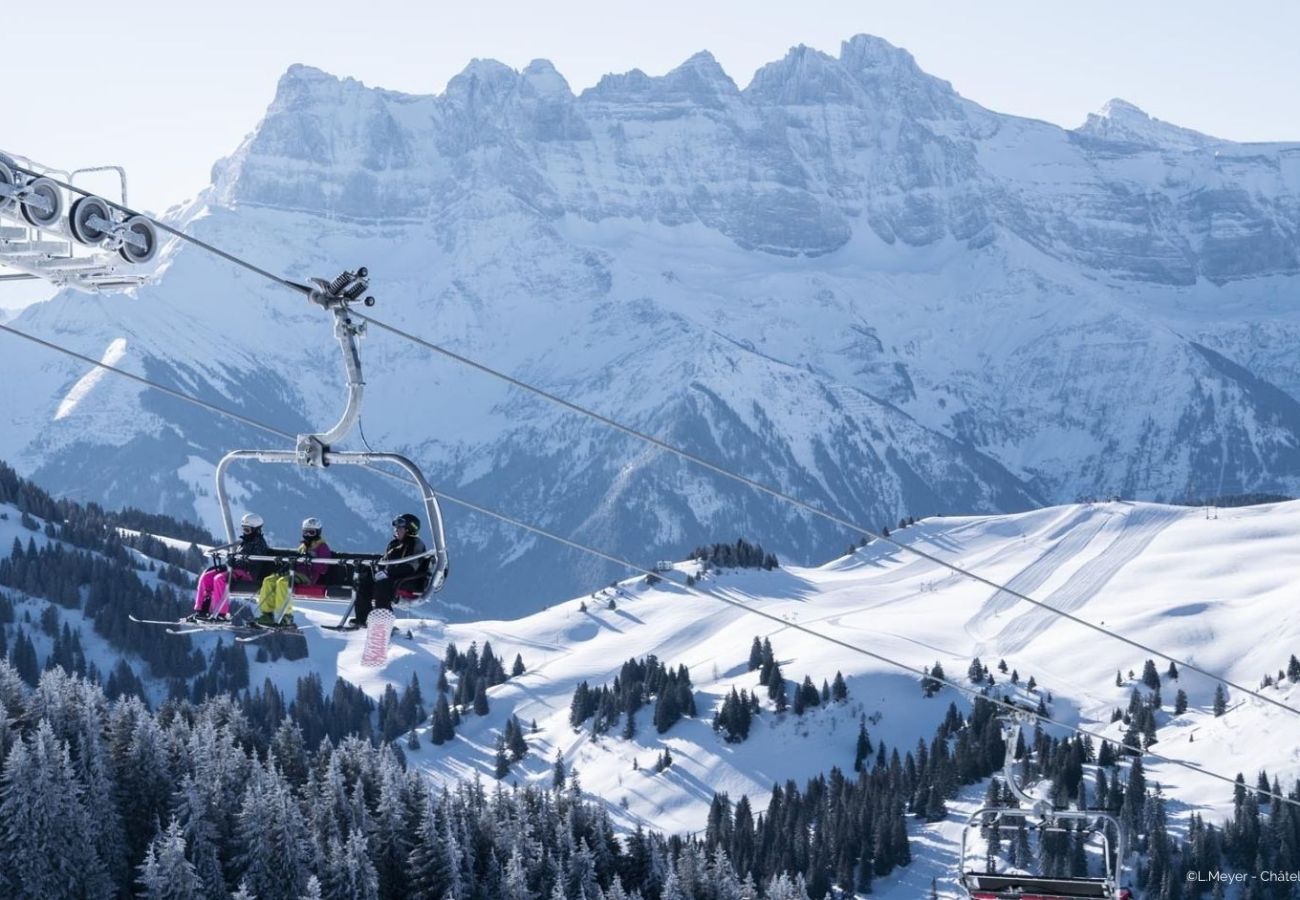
<point>980,884</point>
<point>317,451</point>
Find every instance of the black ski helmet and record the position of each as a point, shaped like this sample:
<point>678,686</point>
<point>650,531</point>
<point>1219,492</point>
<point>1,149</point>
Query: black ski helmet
<point>409,522</point>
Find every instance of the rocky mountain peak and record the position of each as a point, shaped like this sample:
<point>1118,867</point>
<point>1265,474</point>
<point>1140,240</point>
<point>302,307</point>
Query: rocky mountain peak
<point>1121,121</point>
<point>804,77</point>
<point>544,80</point>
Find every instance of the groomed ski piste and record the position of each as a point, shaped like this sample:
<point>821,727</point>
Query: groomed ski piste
<point>1215,591</point>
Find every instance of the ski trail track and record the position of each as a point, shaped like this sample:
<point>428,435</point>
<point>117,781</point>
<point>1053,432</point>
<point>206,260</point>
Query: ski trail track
<point>983,560</point>
<point>1073,532</point>
<point>1140,528</point>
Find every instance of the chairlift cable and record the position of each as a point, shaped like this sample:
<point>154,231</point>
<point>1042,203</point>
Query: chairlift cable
<point>700,461</point>
<point>815,510</point>
<point>694,589</point>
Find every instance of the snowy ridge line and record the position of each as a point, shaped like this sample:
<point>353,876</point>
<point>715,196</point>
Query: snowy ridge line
<point>677,451</point>
<point>711,595</point>
<point>685,455</point>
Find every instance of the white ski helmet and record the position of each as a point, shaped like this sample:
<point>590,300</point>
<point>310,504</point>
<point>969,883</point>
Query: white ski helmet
<point>251,520</point>
<point>311,523</point>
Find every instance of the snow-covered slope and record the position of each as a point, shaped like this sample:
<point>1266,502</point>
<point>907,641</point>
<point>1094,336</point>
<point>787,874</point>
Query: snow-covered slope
<point>1216,591</point>
<point>845,280</point>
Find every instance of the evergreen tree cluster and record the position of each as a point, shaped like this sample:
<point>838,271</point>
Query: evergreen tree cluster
<point>930,681</point>
<point>740,555</point>
<point>1140,717</point>
<point>400,714</point>
<point>733,718</point>
<point>102,798</point>
<point>763,659</point>
<point>89,527</point>
<point>113,592</point>
<point>475,672</point>
<point>837,832</point>
<point>638,682</point>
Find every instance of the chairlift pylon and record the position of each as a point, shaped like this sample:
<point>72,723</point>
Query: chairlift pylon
<point>317,451</point>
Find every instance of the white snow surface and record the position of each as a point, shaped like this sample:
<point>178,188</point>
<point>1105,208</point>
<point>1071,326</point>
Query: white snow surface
<point>1212,587</point>
<point>1215,591</point>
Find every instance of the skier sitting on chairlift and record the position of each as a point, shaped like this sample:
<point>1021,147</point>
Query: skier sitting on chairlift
<point>275,599</point>
<point>211,602</point>
<point>378,590</point>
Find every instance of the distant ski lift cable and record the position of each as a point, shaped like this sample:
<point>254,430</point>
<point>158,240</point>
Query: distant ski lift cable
<point>701,461</point>
<point>694,589</point>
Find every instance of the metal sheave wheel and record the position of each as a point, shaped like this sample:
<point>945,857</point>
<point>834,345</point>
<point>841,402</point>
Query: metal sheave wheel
<point>142,229</point>
<point>79,218</point>
<point>6,178</point>
<point>49,192</point>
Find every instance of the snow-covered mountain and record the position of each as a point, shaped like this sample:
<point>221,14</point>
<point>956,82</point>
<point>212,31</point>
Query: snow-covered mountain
<point>845,280</point>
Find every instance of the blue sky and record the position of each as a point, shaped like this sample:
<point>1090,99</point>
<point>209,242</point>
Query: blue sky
<point>167,88</point>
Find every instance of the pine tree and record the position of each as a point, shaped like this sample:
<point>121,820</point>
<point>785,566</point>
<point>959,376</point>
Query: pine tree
<point>1220,700</point>
<point>516,743</point>
<point>839,689</point>
<point>502,766</point>
<point>46,837</point>
<point>518,668</point>
<point>557,772</point>
<point>429,865</point>
<point>1150,677</point>
<point>166,874</point>
<point>755,655</point>
<point>349,871</point>
<point>1173,670</point>
<point>480,698</point>
<point>441,729</point>
<point>272,855</point>
<point>863,749</point>
<point>1180,702</point>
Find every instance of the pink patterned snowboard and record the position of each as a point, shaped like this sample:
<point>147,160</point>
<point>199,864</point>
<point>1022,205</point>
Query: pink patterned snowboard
<point>379,627</point>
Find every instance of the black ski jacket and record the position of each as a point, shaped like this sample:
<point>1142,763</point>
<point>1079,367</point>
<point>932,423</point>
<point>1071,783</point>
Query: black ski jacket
<point>399,549</point>
<point>253,545</point>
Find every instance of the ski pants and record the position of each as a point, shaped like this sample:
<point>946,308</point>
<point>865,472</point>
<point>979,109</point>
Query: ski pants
<point>211,596</point>
<point>373,594</point>
<point>274,597</point>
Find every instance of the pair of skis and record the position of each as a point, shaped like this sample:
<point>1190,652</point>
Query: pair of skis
<point>243,632</point>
